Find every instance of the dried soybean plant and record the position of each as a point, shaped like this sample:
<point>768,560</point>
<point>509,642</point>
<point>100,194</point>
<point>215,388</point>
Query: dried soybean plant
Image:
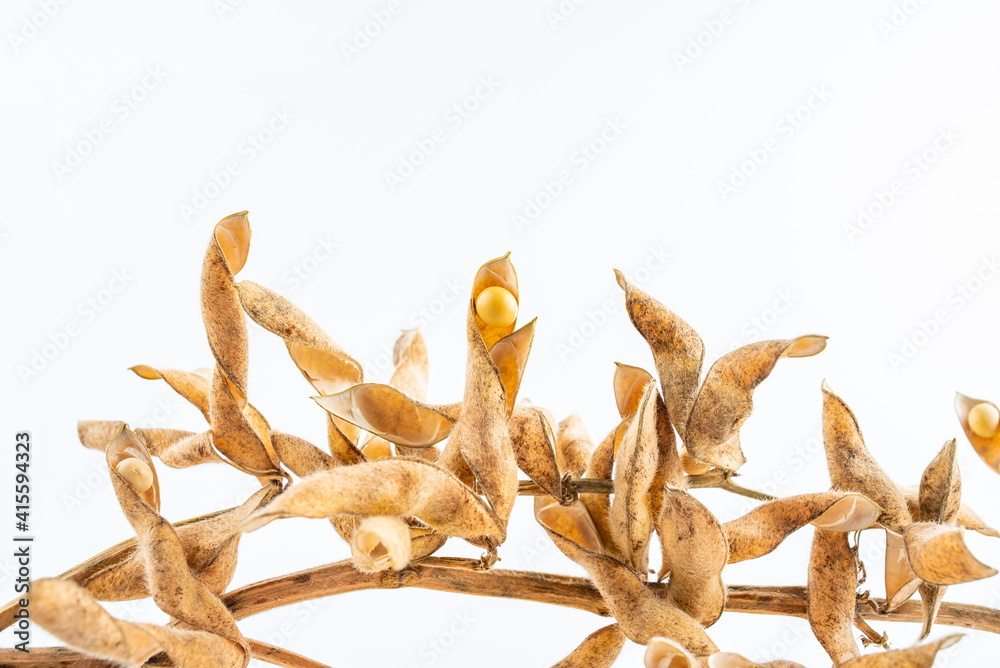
<point>396,496</point>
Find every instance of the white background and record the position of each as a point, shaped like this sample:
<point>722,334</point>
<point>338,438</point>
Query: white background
<point>894,77</point>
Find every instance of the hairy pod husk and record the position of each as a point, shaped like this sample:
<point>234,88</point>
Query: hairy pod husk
<point>641,615</point>
<point>852,467</point>
<point>68,612</point>
<point>398,486</point>
<point>598,650</point>
<point>833,579</point>
<point>725,399</point>
<point>912,657</point>
<point>573,446</point>
<point>938,555</point>
<point>635,469</point>
<point>172,585</point>
<point>534,446</point>
<point>677,350</point>
<point>220,307</point>
<point>765,527</point>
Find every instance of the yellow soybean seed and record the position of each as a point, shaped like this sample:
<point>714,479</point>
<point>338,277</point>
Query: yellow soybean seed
<point>137,473</point>
<point>496,306</point>
<point>984,419</point>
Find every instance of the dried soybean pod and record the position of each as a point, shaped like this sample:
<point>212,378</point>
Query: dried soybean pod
<point>172,585</point>
<point>941,487</point>
<point>498,277</point>
<point>732,660</point>
<point>389,413</point>
<point>320,360</point>
<point>380,543</point>
<point>981,422</point>
<point>128,456</point>
<point>191,385</point>
<point>966,517</point>
<point>573,446</point>
<point>303,458</point>
<point>220,307</point>
<point>410,376</point>
<point>669,469</point>
<point>695,546</point>
<point>765,527</point>
<point>601,465</point>
<point>235,437</point>
<point>635,469</point>
<point>852,467</point>
<point>510,356</point>
<point>572,521</point>
<point>641,614</point>
<point>833,579</point>
<point>598,650</point>
<point>725,399</point>
<point>931,597</point>
<point>629,384</point>
<point>677,350</point>
<point>210,548</point>
<point>665,653</point>
<point>66,611</point>
<point>900,580</point>
<point>912,657</point>
<point>481,434</point>
<point>535,450</point>
<point>938,555</point>
<point>398,486</point>
<point>70,614</point>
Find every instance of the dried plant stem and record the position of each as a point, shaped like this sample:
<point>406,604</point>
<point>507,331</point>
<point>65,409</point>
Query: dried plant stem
<point>564,590</point>
<point>717,479</point>
<point>277,656</point>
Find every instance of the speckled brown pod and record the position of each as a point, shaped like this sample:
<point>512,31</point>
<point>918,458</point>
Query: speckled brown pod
<point>725,399</point>
<point>398,486</point>
<point>852,467</point>
<point>833,579</point>
<point>677,350</point>
<point>598,650</point>
<point>765,527</point>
